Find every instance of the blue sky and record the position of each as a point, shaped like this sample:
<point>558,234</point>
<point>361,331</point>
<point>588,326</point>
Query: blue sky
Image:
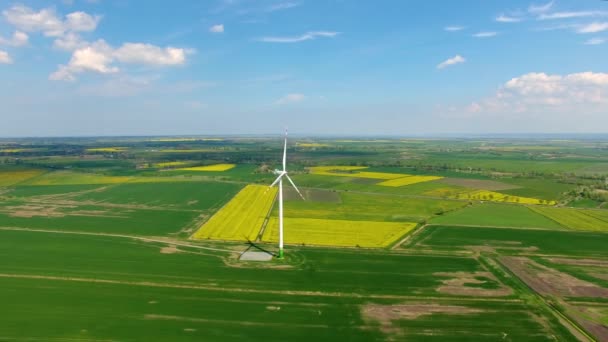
<point>125,67</point>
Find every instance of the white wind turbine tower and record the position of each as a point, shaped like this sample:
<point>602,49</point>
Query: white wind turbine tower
<point>279,180</point>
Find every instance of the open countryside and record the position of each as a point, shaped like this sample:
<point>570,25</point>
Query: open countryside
<point>303,171</point>
<point>363,261</point>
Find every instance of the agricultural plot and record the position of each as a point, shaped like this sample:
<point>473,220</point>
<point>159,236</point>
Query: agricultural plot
<point>479,184</point>
<point>492,196</point>
<point>107,149</point>
<point>138,291</point>
<point>94,218</point>
<point>175,195</point>
<point>497,215</point>
<point>352,171</point>
<point>74,178</point>
<point>340,233</point>
<point>12,177</point>
<point>375,208</point>
<point>173,164</point>
<point>512,241</point>
<point>576,219</point>
<point>242,218</point>
<point>408,180</point>
<point>209,168</point>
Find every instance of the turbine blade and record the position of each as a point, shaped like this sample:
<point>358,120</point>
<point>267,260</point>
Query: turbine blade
<point>276,180</point>
<point>285,152</point>
<point>295,187</point>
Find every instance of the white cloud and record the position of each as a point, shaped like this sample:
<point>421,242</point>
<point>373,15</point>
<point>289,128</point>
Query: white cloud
<point>48,22</point>
<point>537,9</point>
<point>573,14</point>
<point>81,22</point>
<point>18,39</point>
<point>139,53</point>
<point>217,28</point>
<point>453,28</point>
<point>485,34</point>
<point>595,41</point>
<point>291,98</point>
<point>507,19</point>
<point>306,36</point>
<point>5,58</point>
<point>99,57</point>
<point>69,42</point>
<point>451,61</point>
<point>536,91</point>
<point>282,6</point>
<point>593,28</point>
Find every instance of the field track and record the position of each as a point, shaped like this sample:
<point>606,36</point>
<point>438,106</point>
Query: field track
<point>132,237</point>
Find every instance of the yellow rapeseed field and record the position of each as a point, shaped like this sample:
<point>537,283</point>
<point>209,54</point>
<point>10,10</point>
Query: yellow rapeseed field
<point>208,168</point>
<point>353,172</point>
<point>8,178</point>
<point>484,195</point>
<point>408,180</point>
<point>107,149</point>
<point>242,218</point>
<point>13,150</point>
<point>310,145</point>
<point>341,233</point>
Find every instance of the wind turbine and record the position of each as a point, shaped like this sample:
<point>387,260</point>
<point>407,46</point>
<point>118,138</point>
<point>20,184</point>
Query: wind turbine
<point>283,174</point>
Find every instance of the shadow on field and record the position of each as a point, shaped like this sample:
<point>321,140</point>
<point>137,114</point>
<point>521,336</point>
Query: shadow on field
<point>254,246</point>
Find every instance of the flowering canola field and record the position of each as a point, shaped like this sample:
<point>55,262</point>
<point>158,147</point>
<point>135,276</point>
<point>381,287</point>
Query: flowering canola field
<point>390,179</point>
<point>8,178</point>
<point>341,233</point>
<point>484,195</point>
<point>408,180</point>
<point>242,218</point>
<point>210,168</point>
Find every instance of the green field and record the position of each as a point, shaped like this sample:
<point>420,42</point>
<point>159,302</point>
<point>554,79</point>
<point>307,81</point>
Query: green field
<point>184,195</point>
<point>372,207</point>
<point>514,240</point>
<point>497,215</point>
<point>194,294</point>
<point>100,243</point>
<point>576,219</point>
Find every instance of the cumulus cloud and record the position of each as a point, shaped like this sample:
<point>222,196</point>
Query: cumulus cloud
<point>69,42</point>
<point>48,22</point>
<point>139,53</point>
<point>304,37</point>
<point>18,39</point>
<point>508,19</point>
<point>451,61</point>
<point>579,91</point>
<point>291,98</point>
<point>99,57</point>
<point>217,28</point>
<point>5,58</point>
<point>593,28</point>
<point>453,28</point>
<point>485,34</point>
